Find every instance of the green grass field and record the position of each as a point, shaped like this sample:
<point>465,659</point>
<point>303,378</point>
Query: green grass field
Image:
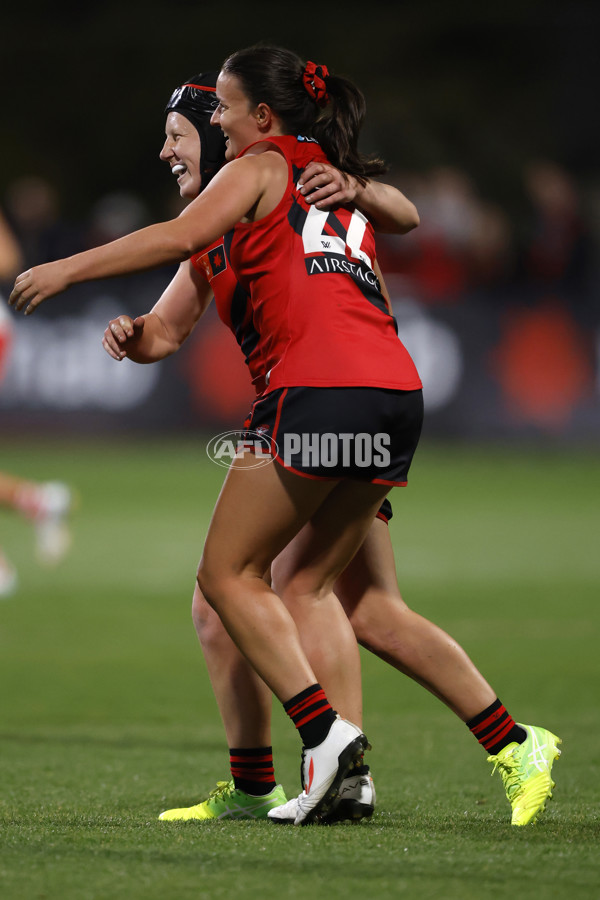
<point>106,715</point>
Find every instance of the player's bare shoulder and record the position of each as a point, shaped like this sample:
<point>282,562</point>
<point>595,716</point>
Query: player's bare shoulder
<point>269,158</point>
<point>270,169</point>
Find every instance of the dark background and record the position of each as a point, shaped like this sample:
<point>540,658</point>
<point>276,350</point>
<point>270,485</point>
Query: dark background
<point>496,292</point>
<point>484,86</point>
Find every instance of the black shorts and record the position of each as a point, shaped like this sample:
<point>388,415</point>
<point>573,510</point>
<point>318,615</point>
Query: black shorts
<point>366,434</point>
<point>385,512</point>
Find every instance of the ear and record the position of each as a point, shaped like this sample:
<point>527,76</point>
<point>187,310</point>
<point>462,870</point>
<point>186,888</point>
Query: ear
<point>264,116</point>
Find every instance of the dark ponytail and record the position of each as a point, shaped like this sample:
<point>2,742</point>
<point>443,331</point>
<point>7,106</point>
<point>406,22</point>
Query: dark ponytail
<point>338,126</point>
<point>333,114</point>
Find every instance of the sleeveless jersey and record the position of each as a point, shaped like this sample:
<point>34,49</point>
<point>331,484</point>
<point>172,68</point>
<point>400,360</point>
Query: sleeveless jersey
<point>233,305</point>
<point>317,306</point>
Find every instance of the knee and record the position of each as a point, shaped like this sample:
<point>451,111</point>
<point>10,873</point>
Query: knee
<point>295,586</point>
<point>207,623</point>
<point>363,626</point>
<point>202,612</point>
<point>379,620</point>
<point>208,586</point>
<point>279,577</point>
<point>217,583</point>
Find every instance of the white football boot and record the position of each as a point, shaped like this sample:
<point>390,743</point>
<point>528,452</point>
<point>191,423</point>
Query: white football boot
<point>50,519</point>
<point>355,800</point>
<point>325,766</point>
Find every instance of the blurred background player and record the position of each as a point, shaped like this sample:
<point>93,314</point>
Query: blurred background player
<point>45,504</point>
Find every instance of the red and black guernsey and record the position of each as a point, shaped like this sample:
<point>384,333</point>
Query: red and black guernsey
<point>317,306</point>
<point>233,305</point>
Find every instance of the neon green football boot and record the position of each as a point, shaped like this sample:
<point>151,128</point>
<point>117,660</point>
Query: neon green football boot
<point>225,802</point>
<point>526,773</point>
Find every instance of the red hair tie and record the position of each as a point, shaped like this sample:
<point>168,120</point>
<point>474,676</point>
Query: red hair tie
<point>314,82</point>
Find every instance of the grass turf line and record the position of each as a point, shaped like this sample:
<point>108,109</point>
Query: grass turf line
<point>107,716</point>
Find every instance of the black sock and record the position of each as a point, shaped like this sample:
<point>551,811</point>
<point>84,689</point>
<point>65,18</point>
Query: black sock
<point>252,769</point>
<point>311,713</point>
<point>495,728</point>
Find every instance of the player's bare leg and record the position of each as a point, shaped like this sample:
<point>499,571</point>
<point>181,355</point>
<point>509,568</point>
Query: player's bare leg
<point>237,553</point>
<point>523,754</point>
<point>245,702</point>
<point>243,698</point>
<point>47,506</point>
<point>384,624</point>
<point>337,663</point>
<point>230,576</point>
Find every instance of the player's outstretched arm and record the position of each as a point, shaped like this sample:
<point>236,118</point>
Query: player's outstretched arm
<point>233,193</point>
<point>384,205</point>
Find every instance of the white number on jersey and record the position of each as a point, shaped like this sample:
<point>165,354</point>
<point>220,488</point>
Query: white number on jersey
<point>316,241</point>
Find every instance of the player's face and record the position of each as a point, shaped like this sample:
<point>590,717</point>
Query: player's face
<point>235,116</point>
<point>182,151</point>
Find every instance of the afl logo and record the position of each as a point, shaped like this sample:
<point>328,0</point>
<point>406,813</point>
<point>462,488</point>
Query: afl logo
<point>253,446</point>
